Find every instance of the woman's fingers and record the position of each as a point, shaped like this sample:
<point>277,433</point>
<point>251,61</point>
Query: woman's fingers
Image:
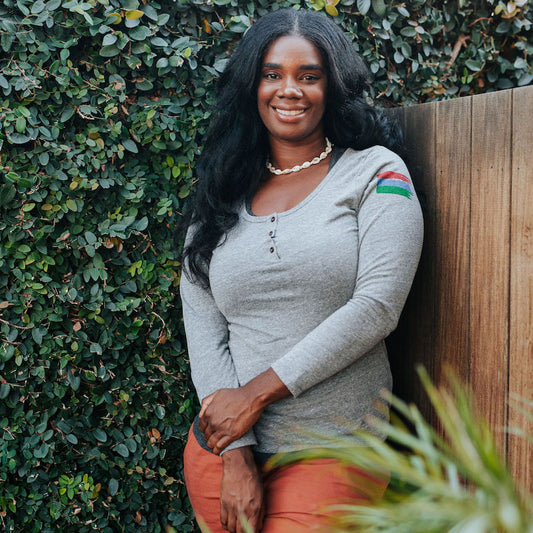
<point>223,515</point>
<point>203,426</point>
<point>231,522</point>
<point>218,444</point>
<point>205,403</point>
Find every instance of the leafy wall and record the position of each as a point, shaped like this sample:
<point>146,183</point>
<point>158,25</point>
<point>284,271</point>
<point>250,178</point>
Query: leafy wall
<point>102,108</point>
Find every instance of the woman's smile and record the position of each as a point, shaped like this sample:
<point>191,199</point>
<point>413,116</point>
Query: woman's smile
<point>289,112</point>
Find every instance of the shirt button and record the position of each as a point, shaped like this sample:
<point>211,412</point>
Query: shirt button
<point>273,219</point>
<point>271,249</point>
<point>271,233</point>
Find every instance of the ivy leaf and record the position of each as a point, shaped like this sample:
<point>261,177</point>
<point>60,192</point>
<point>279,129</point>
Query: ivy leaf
<point>37,7</point>
<point>52,5</point>
<point>140,33</point>
<point>525,79</point>
<point>363,6</point>
<point>408,31</point>
<point>115,18</point>
<point>42,451</point>
<point>72,438</point>
<point>109,39</point>
<point>144,85</point>
<point>109,51</point>
<point>379,7</point>
<point>113,486</point>
<point>23,8</point>
<point>159,41</point>
<point>71,204</point>
<point>4,390</point>
<point>122,449</point>
<point>130,146</point>
<point>142,224</point>
<point>67,113</point>
<point>134,14</point>
<point>18,138</point>
<point>37,335</point>
<point>100,435</point>
<point>73,381</point>
<point>398,57</point>
<point>20,124</point>
<point>474,65</point>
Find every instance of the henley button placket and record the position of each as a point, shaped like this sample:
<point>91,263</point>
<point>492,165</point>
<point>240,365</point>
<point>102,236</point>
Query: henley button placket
<point>272,235</point>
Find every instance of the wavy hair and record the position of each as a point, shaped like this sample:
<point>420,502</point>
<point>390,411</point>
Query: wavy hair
<point>236,147</point>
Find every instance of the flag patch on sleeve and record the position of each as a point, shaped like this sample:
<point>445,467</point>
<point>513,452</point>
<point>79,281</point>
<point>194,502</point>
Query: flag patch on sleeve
<point>394,183</point>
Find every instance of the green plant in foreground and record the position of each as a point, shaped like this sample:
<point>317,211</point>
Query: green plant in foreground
<point>457,483</point>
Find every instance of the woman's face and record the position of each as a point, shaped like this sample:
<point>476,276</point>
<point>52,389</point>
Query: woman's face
<point>291,96</point>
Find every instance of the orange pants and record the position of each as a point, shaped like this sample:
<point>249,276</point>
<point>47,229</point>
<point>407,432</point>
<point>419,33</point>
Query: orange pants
<point>296,496</point>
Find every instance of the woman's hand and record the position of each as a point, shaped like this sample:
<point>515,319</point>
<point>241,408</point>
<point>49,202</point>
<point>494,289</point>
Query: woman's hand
<point>241,491</point>
<point>227,414</point>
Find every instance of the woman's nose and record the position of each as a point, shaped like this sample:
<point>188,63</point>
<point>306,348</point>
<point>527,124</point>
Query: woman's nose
<point>289,88</point>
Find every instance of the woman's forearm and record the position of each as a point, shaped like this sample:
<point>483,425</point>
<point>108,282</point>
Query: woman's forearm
<point>241,491</point>
<point>264,389</point>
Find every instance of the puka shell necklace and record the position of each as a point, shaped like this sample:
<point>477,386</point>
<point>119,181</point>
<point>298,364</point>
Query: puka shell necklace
<point>307,164</point>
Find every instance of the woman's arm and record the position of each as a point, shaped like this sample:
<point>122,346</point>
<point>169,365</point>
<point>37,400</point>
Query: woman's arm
<point>241,491</point>
<point>207,341</point>
<point>390,242</point>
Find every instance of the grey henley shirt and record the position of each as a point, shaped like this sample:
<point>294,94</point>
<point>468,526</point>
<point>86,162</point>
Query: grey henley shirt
<point>311,292</point>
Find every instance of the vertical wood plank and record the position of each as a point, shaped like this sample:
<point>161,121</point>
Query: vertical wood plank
<point>521,326</point>
<point>416,329</point>
<point>489,256</point>
<point>452,261</point>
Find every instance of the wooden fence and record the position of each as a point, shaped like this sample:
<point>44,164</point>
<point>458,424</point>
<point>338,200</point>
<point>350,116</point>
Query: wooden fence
<point>471,304</point>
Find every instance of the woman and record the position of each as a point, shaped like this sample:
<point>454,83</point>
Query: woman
<point>298,261</point>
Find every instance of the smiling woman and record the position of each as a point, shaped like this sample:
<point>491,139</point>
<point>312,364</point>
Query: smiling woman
<point>297,263</point>
<point>291,97</point>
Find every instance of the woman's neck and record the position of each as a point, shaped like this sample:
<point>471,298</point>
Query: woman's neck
<point>287,154</point>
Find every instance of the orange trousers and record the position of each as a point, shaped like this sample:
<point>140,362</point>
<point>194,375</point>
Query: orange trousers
<point>297,496</point>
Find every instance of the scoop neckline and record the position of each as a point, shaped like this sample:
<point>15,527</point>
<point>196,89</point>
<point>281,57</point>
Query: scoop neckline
<point>261,218</point>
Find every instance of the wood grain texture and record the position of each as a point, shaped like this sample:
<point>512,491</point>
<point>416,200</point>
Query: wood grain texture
<point>521,308</point>
<point>415,336</point>
<point>489,257</point>
<point>452,259</point>
<point>471,306</point>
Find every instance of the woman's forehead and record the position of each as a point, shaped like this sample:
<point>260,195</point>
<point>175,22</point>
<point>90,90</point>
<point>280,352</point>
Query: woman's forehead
<point>293,49</point>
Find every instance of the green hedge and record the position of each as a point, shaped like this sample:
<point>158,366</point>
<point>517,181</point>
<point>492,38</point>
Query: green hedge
<point>102,105</point>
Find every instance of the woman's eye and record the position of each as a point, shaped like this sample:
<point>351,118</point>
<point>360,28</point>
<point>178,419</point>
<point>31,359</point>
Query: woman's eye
<point>270,75</point>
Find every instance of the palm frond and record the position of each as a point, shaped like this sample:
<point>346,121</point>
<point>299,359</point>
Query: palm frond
<point>454,483</point>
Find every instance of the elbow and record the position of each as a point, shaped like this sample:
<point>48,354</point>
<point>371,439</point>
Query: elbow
<point>382,316</point>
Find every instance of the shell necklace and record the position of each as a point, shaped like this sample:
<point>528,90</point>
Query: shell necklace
<point>307,164</point>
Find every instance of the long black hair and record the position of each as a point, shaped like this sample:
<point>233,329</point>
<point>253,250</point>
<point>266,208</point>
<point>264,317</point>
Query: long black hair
<point>236,147</point>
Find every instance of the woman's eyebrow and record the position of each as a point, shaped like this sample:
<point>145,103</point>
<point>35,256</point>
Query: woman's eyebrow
<point>312,67</point>
<point>302,67</point>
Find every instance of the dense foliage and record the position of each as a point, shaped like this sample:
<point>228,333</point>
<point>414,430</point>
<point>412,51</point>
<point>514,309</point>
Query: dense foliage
<point>102,106</point>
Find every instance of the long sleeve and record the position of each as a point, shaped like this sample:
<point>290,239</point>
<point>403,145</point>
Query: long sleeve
<point>390,241</point>
<point>207,341</point>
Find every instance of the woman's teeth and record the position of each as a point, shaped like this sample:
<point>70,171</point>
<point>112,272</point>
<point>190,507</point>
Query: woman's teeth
<point>291,112</point>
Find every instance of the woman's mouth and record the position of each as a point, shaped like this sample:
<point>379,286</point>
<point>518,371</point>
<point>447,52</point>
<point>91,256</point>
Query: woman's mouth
<point>289,112</point>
